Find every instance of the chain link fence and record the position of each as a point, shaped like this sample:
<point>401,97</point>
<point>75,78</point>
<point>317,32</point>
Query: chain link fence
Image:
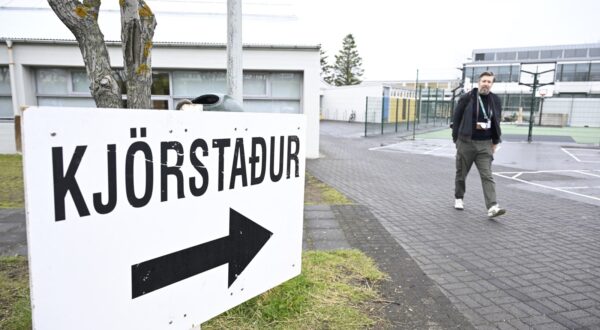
<point>431,107</point>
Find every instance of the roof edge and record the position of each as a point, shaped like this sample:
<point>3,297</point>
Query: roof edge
<point>164,44</point>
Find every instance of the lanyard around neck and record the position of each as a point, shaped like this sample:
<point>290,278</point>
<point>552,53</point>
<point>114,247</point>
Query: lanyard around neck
<point>485,115</point>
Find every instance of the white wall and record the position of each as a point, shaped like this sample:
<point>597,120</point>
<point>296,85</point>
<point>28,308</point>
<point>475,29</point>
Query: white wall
<point>339,102</point>
<point>58,54</point>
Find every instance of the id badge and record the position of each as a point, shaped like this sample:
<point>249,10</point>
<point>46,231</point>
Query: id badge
<point>489,124</point>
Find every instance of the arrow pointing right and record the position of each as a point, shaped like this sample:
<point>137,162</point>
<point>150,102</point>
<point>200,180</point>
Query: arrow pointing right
<point>246,238</point>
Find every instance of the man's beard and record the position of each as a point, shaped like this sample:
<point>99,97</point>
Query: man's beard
<point>484,91</point>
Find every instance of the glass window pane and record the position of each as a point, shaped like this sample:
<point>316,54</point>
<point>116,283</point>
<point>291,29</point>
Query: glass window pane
<point>502,73</point>
<point>506,56</point>
<point>255,84</point>
<point>477,71</point>
<point>594,52</point>
<point>515,71</point>
<point>595,72</point>
<point>581,71</point>
<point>286,85</point>
<point>523,55</point>
<point>575,52</point>
<point>272,106</point>
<point>81,83</point>
<point>67,102</point>
<point>6,110</point>
<point>4,81</point>
<point>52,81</point>
<point>568,72</point>
<point>160,84</point>
<point>489,56</point>
<point>195,83</point>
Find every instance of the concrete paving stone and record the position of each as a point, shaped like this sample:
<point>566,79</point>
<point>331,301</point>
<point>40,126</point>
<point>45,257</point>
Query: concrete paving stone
<point>586,303</point>
<point>565,322</point>
<point>549,326</point>
<point>498,317</point>
<point>576,314</point>
<point>540,321</point>
<point>504,325</point>
<point>326,234</point>
<point>321,224</point>
<point>590,322</point>
<point>518,324</point>
<point>573,297</point>
<point>331,244</point>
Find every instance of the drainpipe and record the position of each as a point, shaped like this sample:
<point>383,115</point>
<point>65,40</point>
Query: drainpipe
<point>13,83</point>
<point>13,93</point>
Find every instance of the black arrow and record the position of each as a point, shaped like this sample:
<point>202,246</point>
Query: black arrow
<point>245,239</point>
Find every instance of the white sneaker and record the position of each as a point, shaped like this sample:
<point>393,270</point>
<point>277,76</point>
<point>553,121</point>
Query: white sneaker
<point>458,204</point>
<point>495,211</point>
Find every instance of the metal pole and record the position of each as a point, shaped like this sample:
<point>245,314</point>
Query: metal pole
<point>235,74</point>
<point>366,113</point>
<point>535,82</point>
<point>382,108</point>
<point>428,104</point>
<point>541,108</point>
<point>397,104</point>
<point>408,113</point>
<point>416,104</point>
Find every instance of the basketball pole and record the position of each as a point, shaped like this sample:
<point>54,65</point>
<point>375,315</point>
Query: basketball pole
<point>534,87</point>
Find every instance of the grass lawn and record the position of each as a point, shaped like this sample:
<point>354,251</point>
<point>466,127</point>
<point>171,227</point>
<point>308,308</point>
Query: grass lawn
<point>334,291</point>
<point>11,182</point>
<point>584,135</point>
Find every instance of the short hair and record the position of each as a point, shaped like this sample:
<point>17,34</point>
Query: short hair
<point>487,73</point>
<point>181,103</point>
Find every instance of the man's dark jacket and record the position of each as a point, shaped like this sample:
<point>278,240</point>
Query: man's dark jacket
<point>462,121</point>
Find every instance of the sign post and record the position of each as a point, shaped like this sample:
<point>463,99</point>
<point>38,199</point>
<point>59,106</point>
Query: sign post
<point>153,219</point>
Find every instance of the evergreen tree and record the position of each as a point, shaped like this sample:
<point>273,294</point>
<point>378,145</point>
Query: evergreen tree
<point>347,69</point>
<point>326,73</point>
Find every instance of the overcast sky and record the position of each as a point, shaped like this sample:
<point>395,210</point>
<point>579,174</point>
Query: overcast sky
<point>395,38</point>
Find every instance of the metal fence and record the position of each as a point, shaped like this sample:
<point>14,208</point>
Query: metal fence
<point>431,107</point>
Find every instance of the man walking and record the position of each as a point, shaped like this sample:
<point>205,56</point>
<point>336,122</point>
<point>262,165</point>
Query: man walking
<point>476,133</point>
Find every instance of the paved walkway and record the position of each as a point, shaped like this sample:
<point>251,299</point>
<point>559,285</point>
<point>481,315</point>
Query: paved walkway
<point>536,267</point>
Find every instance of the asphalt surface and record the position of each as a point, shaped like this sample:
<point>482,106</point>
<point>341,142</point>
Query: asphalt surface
<point>537,267</point>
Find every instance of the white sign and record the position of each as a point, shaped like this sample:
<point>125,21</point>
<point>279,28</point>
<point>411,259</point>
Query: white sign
<point>146,219</point>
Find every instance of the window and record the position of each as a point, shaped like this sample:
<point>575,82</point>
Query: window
<point>6,111</point>
<point>506,56</point>
<point>528,55</point>
<point>255,84</point>
<point>479,57</point>
<point>515,71</point>
<point>160,84</point>
<point>595,72</point>
<point>575,53</point>
<point>574,72</point>
<point>63,87</point>
<point>80,82</point>
<point>551,54</point>
<point>501,73</point>
<point>278,92</point>
<point>194,83</point>
<point>594,52</point>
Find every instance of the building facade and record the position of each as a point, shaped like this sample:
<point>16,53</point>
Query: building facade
<point>570,74</point>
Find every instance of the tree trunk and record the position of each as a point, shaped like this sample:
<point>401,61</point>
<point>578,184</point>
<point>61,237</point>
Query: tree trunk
<point>137,30</point>
<point>82,20</point>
